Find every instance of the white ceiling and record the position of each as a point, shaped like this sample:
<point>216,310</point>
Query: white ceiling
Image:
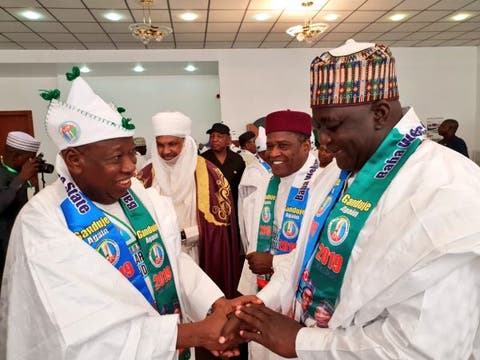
<point>79,24</point>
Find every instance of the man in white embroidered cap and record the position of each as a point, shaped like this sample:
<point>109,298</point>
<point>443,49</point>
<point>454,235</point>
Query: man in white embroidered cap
<point>94,269</point>
<point>19,167</point>
<point>394,247</point>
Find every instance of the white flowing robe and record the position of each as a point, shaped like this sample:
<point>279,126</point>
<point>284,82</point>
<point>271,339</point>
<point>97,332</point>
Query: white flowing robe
<point>412,285</point>
<point>62,300</point>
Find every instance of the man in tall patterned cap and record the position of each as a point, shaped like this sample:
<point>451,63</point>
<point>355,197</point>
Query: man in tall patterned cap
<point>201,196</point>
<point>19,168</point>
<point>394,248</point>
<point>271,207</point>
<point>95,259</point>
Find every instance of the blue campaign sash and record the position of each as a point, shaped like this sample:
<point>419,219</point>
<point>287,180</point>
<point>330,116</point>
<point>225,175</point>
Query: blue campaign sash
<point>286,238</point>
<point>91,225</point>
<point>265,165</point>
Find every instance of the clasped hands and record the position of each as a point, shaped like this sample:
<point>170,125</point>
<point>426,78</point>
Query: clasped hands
<point>246,318</point>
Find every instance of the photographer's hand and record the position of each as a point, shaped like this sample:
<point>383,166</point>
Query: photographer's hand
<point>29,169</point>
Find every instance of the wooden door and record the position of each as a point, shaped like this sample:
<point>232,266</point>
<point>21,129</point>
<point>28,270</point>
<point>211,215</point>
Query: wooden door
<point>14,121</point>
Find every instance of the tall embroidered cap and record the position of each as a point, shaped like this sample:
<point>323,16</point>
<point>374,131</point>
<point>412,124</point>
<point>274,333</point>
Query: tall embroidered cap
<point>84,118</point>
<point>353,74</point>
<point>288,120</point>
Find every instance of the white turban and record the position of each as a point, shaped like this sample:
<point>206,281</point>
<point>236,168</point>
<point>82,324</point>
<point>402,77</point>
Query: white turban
<point>84,118</point>
<point>22,141</point>
<point>171,124</point>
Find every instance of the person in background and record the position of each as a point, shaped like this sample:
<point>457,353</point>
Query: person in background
<point>447,130</point>
<point>247,147</point>
<point>271,206</point>
<point>230,163</point>
<point>94,269</point>
<point>198,190</point>
<point>393,246</point>
<point>141,152</point>
<point>19,167</point>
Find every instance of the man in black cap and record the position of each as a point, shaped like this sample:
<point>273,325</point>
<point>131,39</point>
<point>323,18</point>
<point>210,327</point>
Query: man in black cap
<point>230,163</point>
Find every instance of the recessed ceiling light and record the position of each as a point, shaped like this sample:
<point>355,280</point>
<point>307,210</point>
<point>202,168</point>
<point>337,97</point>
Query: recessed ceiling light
<point>460,17</point>
<point>190,68</point>
<point>138,68</point>
<point>331,17</point>
<point>262,17</point>
<point>188,16</point>
<point>113,16</point>
<point>31,15</point>
<point>398,17</point>
<point>85,69</point>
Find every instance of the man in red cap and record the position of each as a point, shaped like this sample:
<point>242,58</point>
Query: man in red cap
<point>271,207</point>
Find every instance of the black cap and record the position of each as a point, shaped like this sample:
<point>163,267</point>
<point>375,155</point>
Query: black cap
<point>220,128</point>
<point>242,139</point>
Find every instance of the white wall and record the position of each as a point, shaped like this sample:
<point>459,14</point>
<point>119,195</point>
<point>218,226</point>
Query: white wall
<point>438,82</point>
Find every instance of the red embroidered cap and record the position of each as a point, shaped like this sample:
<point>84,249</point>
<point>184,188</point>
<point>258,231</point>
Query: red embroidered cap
<point>287,120</point>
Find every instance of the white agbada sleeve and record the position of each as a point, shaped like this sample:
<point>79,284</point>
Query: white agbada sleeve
<point>67,302</point>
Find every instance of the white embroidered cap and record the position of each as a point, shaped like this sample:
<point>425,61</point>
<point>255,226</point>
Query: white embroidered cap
<point>84,118</point>
<point>171,124</point>
<point>22,141</point>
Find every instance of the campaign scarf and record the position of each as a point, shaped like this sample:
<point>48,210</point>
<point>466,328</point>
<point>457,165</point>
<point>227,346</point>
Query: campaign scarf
<point>283,240</point>
<point>333,237</point>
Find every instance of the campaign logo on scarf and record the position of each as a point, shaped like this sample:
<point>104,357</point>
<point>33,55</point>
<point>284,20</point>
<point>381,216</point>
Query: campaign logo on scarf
<point>156,255</point>
<point>266,215</point>
<point>109,250</point>
<point>338,230</point>
<point>290,229</point>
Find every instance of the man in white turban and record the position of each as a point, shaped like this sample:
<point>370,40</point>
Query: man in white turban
<point>201,196</point>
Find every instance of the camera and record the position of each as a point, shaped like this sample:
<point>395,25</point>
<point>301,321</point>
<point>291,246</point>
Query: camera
<point>44,166</point>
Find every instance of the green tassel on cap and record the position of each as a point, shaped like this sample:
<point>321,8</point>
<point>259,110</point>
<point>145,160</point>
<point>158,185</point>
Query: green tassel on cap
<point>120,109</point>
<point>126,125</point>
<point>50,94</point>
<point>74,74</point>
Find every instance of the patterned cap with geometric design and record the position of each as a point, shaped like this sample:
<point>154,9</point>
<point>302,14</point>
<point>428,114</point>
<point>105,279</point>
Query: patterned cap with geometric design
<point>353,74</point>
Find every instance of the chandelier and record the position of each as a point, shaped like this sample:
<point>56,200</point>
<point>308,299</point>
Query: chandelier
<point>309,31</point>
<point>145,31</point>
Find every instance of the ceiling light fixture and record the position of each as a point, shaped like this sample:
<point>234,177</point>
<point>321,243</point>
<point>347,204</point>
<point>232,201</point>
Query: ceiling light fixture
<point>262,17</point>
<point>190,68</point>
<point>309,31</point>
<point>460,17</point>
<point>85,69</point>
<point>331,17</point>
<point>138,68</point>
<point>113,16</point>
<point>31,15</point>
<point>188,16</point>
<point>145,31</point>
<point>398,17</point>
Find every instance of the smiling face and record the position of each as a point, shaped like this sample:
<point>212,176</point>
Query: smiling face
<point>351,133</point>
<point>103,170</point>
<point>169,147</point>
<point>286,152</point>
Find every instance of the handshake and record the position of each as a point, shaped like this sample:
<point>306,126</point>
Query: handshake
<point>239,320</point>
